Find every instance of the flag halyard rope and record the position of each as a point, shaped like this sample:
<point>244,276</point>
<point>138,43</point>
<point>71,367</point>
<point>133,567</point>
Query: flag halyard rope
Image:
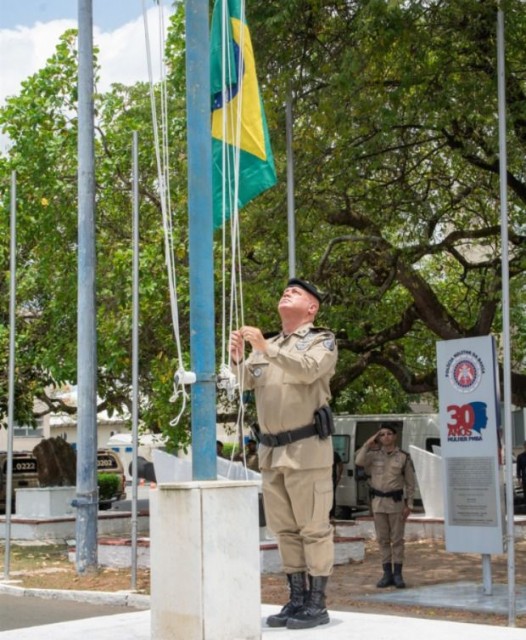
<point>161,145</point>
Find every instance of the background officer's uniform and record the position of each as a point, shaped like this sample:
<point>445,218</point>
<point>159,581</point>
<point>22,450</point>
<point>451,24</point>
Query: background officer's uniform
<point>291,381</point>
<point>389,472</point>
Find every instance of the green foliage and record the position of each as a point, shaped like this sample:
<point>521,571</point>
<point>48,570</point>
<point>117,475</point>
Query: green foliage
<point>230,449</point>
<point>396,180</point>
<point>42,126</point>
<point>109,485</point>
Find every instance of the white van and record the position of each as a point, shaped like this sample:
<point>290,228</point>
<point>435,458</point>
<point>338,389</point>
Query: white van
<point>122,444</point>
<point>350,433</point>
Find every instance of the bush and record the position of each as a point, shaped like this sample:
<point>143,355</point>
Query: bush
<point>228,448</point>
<point>109,485</point>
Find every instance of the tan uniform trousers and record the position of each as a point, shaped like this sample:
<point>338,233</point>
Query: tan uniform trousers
<point>390,529</point>
<point>297,505</point>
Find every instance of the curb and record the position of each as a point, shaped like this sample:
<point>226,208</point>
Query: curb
<point>116,599</point>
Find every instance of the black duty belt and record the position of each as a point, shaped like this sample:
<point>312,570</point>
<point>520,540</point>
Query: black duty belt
<point>286,437</point>
<point>395,495</point>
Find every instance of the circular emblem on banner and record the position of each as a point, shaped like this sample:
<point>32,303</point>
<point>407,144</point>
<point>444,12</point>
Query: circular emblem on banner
<point>466,373</point>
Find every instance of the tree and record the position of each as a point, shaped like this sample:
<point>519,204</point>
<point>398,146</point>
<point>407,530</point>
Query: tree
<point>397,189</point>
<point>42,126</point>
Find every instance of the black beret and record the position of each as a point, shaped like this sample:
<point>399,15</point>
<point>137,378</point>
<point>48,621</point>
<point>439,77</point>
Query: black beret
<point>307,286</point>
<point>390,426</point>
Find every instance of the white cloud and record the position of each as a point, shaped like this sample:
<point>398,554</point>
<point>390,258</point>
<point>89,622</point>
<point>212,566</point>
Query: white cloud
<point>24,50</point>
<point>122,54</point>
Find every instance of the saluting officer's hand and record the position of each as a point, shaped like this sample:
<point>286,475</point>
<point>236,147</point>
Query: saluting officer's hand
<point>373,440</point>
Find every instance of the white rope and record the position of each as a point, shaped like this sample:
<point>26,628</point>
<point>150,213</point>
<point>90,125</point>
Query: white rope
<point>181,377</point>
<point>231,167</point>
<point>230,197</point>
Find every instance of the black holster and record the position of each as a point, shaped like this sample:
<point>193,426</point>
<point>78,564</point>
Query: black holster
<point>323,422</point>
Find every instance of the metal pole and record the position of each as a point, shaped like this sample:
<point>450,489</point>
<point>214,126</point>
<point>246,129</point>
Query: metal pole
<point>290,189</point>
<point>202,336</point>
<point>487,584</point>
<point>135,356</point>
<point>11,378</point>
<point>506,365</point>
<point>87,492</point>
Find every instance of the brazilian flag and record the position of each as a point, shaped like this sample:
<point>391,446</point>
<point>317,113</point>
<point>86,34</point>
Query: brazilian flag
<point>240,141</point>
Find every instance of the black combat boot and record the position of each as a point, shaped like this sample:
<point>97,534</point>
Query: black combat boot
<point>314,612</point>
<point>387,579</point>
<point>297,598</point>
<point>397,577</point>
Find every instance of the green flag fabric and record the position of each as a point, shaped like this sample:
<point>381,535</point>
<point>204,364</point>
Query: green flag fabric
<point>240,140</point>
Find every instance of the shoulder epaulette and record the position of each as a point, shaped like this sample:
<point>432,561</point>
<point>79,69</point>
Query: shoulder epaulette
<point>320,330</point>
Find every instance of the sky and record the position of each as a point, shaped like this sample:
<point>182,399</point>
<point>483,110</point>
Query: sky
<point>30,29</point>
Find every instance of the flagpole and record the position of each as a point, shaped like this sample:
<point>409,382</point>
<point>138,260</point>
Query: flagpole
<point>135,354</point>
<point>290,189</point>
<point>11,379</point>
<point>86,500</point>
<point>200,223</point>
<point>506,365</point>
<point>204,501</point>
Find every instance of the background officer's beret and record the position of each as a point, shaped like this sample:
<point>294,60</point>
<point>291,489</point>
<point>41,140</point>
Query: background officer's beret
<point>391,426</point>
<point>307,286</point>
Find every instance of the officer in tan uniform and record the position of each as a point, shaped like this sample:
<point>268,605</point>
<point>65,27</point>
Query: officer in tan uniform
<point>249,457</point>
<point>290,375</point>
<point>392,480</point>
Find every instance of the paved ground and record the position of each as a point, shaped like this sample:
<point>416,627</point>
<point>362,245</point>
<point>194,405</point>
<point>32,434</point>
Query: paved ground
<point>343,626</point>
<point>18,612</point>
<point>441,585</point>
<point>25,617</point>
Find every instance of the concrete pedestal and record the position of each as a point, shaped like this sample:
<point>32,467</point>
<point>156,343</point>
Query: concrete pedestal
<point>205,581</point>
<point>44,502</point>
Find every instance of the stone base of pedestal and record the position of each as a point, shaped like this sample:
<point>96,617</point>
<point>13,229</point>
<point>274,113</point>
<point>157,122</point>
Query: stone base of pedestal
<point>205,573</point>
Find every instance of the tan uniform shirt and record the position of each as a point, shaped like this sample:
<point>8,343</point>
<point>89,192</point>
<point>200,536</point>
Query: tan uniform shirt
<point>388,472</point>
<point>290,382</point>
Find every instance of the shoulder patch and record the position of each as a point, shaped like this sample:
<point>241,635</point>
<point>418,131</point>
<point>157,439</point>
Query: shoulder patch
<point>321,332</point>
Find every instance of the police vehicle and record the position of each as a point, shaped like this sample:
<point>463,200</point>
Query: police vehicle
<point>25,474</point>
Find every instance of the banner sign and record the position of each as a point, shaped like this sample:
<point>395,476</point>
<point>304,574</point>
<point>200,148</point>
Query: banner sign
<point>469,427</point>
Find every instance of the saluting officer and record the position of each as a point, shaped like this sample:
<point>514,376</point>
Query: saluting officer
<point>392,481</point>
<point>290,375</point>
